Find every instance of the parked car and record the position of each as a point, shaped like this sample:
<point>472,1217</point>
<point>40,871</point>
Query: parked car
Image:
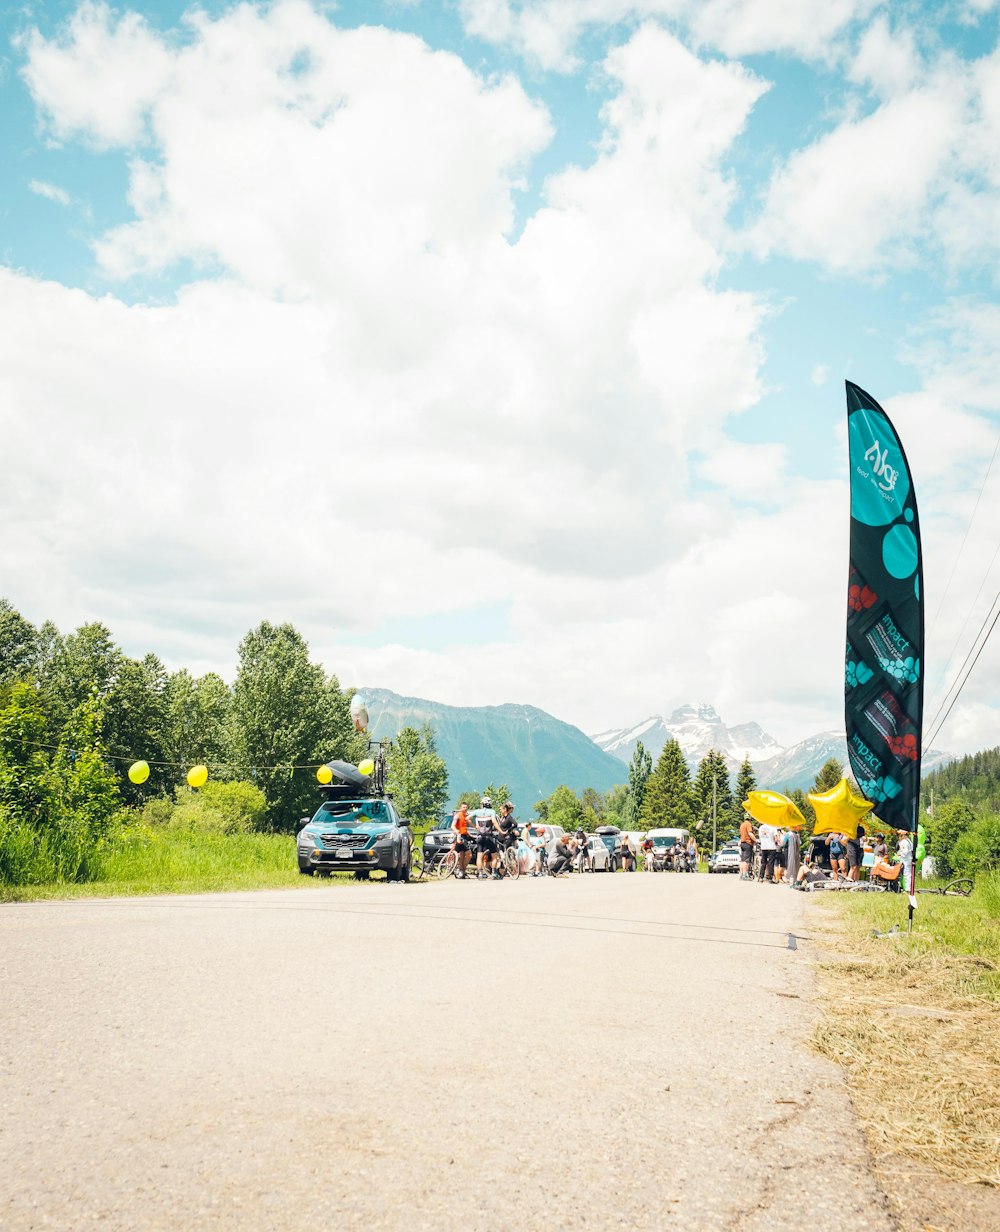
<point>726,859</point>
<point>357,834</point>
<point>611,837</point>
<point>599,856</point>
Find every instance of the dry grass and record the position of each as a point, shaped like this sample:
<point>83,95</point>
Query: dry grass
<point>915,1021</point>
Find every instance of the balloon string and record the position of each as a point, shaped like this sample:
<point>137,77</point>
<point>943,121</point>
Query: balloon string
<point>218,765</point>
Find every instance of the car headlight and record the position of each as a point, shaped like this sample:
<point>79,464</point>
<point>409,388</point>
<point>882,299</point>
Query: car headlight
<point>308,840</point>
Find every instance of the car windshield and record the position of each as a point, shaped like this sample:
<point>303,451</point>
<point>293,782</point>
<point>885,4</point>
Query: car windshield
<point>609,840</point>
<point>664,840</point>
<point>352,812</point>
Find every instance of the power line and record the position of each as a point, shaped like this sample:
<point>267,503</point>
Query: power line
<point>939,724</point>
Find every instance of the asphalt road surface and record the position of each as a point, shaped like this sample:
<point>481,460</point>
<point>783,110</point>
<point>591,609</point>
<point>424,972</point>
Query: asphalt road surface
<point>590,1052</point>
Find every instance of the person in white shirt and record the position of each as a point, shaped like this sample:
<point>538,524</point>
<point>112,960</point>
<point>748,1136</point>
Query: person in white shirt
<point>904,852</point>
<point>767,836</point>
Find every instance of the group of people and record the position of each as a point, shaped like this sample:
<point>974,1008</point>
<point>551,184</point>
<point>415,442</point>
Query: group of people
<point>831,859</point>
<point>489,835</point>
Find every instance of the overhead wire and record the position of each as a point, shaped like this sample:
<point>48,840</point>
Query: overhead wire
<point>960,678</point>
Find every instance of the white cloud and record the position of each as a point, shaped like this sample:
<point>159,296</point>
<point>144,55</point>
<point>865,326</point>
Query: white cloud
<point>913,182</point>
<point>548,31</point>
<point>385,386</point>
<point>51,192</point>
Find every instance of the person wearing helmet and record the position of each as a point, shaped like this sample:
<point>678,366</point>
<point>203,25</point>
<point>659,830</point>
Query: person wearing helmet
<point>485,802</point>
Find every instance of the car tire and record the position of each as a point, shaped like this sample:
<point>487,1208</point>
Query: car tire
<point>307,872</point>
<point>404,872</point>
<point>362,874</point>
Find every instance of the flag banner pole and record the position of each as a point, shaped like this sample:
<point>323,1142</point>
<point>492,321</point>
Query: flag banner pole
<point>884,666</point>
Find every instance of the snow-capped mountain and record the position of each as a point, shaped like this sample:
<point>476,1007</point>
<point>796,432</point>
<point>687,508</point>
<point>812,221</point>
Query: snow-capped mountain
<point>696,728</point>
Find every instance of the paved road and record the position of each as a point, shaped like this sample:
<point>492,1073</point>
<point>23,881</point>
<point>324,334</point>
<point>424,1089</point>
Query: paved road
<point>588,1053</point>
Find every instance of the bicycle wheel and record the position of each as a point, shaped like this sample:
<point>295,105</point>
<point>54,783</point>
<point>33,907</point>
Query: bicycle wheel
<point>417,865</point>
<point>511,863</point>
<point>961,888</point>
<point>447,865</point>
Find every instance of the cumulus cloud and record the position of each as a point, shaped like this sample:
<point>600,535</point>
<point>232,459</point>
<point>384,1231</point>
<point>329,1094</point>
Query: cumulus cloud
<point>381,381</point>
<point>548,31</point>
<point>912,182</point>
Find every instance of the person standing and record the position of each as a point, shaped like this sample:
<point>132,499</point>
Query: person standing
<point>768,837</point>
<point>793,843</point>
<point>780,855</point>
<point>904,850</point>
<point>747,841</point>
<point>460,824</point>
<point>854,855</point>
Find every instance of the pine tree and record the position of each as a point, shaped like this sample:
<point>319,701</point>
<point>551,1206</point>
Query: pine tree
<point>746,782</point>
<point>667,799</point>
<point>639,770</point>
<point>712,796</point>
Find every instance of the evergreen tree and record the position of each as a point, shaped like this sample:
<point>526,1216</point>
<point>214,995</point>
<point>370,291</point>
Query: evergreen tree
<point>418,777</point>
<point>746,782</point>
<point>639,770</point>
<point>667,799</point>
<point>828,776</point>
<point>713,773</point>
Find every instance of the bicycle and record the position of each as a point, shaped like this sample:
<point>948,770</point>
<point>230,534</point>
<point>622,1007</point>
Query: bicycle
<point>962,887</point>
<point>510,862</point>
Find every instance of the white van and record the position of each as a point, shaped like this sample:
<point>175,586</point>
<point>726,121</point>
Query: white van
<point>664,839</point>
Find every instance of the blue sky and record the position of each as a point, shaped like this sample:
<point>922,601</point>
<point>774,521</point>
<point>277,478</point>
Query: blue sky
<point>540,314</point>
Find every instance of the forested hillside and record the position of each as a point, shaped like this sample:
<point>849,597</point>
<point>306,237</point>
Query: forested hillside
<point>974,779</point>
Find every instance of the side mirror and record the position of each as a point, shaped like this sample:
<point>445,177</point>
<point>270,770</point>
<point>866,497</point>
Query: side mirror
<point>302,823</point>
<point>404,821</point>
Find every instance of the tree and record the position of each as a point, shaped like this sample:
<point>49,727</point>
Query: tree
<point>498,795</point>
<point>564,809</point>
<point>950,822</point>
<point>418,777</point>
<point>639,770</point>
<point>667,800</point>
<point>134,720</point>
<point>195,721</point>
<point>286,717</point>
<point>592,803</point>
<point>18,644</point>
<point>746,781</point>
<point>828,776</point>
<point>711,787</point>
<point>615,803</point>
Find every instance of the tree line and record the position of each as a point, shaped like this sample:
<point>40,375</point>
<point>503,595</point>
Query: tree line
<point>76,711</point>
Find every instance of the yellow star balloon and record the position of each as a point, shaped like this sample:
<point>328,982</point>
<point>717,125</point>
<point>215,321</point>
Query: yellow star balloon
<point>839,810</point>
<point>771,808</point>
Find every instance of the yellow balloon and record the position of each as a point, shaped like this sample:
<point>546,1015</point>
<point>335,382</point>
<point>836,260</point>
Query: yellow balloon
<point>324,774</point>
<point>138,772</point>
<point>367,766</point>
<point>197,776</point>
<point>771,808</point>
<point>839,810</point>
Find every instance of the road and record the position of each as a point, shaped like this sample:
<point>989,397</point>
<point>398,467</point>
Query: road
<point>591,1052</point>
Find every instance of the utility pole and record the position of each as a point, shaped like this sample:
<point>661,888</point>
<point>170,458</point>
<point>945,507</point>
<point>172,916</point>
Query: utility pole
<point>714,815</point>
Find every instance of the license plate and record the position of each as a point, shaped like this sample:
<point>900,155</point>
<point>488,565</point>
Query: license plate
<point>345,853</point>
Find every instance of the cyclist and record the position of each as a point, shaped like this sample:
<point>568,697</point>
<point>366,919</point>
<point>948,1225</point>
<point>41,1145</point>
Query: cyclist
<point>486,845</point>
<point>507,825</point>
<point>460,824</point>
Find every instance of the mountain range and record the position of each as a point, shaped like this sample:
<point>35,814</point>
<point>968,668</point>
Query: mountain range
<point>533,752</point>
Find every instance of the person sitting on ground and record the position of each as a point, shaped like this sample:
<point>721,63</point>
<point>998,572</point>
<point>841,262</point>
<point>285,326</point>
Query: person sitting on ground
<point>819,851</point>
<point>460,824</point>
<point>810,874</point>
<point>562,857</point>
<point>747,842</point>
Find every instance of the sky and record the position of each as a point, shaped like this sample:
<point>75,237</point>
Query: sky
<point>499,345</point>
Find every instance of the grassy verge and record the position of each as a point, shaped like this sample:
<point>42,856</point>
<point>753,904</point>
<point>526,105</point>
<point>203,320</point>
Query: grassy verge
<point>915,1021</point>
<point>182,862</point>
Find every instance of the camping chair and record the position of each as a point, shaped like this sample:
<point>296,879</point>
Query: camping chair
<point>888,876</point>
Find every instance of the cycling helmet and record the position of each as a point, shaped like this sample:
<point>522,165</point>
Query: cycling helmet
<point>486,802</point>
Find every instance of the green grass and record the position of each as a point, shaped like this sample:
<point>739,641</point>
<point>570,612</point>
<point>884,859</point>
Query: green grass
<point>942,927</point>
<point>183,861</point>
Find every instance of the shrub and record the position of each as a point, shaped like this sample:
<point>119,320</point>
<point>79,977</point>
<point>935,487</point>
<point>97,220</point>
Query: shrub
<point>977,849</point>
<point>950,823</point>
<point>225,808</point>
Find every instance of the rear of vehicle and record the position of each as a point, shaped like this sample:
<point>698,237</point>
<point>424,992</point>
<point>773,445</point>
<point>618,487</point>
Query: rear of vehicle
<point>726,859</point>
